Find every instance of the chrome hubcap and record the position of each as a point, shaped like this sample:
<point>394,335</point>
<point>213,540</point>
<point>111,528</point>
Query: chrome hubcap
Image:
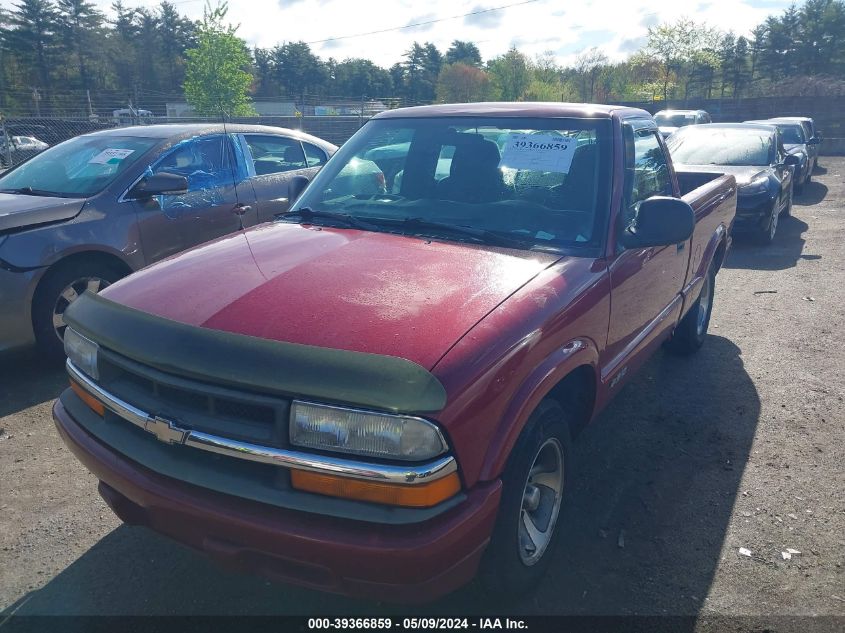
<point>541,502</point>
<point>69,295</point>
<point>703,305</point>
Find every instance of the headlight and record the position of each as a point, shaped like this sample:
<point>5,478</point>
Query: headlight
<point>758,185</point>
<point>82,352</point>
<point>364,433</point>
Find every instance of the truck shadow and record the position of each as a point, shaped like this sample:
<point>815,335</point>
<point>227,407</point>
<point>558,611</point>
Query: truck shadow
<point>657,477</point>
<point>27,379</point>
<point>784,252</point>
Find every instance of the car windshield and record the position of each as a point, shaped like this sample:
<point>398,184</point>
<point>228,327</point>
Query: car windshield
<point>82,166</point>
<point>534,183</point>
<point>792,134</point>
<point>665,119</point>
<point>705,145</point>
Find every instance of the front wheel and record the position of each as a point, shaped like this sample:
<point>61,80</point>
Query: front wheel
<point>534,481</point>
<point>691,331</point>
<point>61,287</point>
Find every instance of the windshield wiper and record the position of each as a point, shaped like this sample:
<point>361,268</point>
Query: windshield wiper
<point>308,214</point>
<point>480,235</point>
<point>29,191</point>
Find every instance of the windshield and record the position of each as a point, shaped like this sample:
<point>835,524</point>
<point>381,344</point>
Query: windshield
<point>82,166</point>
<point>705,145</point>
<point>531,181</point>
<point>792,134</point>
<point>664,119</point>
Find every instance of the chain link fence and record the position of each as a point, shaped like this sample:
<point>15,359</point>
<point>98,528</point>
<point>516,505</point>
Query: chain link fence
<point>23,137</point>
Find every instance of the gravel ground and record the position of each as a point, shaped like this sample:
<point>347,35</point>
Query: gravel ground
<point>740,446</point>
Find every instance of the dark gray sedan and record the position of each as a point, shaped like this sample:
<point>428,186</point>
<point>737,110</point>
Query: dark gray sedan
<point>91,210</point>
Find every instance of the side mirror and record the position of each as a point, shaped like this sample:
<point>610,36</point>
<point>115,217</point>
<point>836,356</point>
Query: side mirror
<point>660,221</point>
<point>792,159</point>
<point>162,183</point>
<point>296,186</point>
<point>815,140</point>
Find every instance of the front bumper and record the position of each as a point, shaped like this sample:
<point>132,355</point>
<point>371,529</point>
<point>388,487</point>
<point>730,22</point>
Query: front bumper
<point>16,290</point>
<point>753,212</point>
<point>403,563</point>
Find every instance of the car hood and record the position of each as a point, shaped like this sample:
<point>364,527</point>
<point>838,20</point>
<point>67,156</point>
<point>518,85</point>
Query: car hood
<point>743,174</point>
<point>337,288</point>
<point>19,211</point>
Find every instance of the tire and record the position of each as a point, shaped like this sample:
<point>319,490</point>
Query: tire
<point>56,291</point>
<point>787,210</point>
<point>689,336</point>
<point>510,567</point>
<point>766,235</point>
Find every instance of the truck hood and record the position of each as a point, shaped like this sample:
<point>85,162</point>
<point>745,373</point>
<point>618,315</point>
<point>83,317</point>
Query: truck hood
<point>19,211</point>
<point>743,174</point>
<point>337,288</point>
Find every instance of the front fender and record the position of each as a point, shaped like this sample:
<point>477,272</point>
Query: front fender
<point>536,386</point>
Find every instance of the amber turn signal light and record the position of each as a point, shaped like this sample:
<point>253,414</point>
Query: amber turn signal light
<point>95,405</point>
<point>411,496</point>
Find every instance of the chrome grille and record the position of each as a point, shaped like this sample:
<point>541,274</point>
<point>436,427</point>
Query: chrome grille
<point>195,404</point>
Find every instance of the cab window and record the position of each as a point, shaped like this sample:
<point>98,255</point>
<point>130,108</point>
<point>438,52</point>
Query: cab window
<point>646,170</point>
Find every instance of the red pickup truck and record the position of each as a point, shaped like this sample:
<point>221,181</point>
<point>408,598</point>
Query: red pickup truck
<point>375,394</point>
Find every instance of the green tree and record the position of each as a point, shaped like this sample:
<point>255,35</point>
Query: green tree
<point>216,77</point>
<point>461,52</point>
<point>33,37</point>
<point>79,24</point>
<point>176,34</point>
<point>298,70</point>
<point>122,47</point>
<point>511,74</point>
<point>360,77</point>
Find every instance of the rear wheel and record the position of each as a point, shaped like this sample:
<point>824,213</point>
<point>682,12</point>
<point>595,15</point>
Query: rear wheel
<point>691,331</point>
<point>57,291</point>
<point>534,481</point>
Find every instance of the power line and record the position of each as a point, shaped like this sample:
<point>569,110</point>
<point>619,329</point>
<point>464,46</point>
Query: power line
<point>415,24</point>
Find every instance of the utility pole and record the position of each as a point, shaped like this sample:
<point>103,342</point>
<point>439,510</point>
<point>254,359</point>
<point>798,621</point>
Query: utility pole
<point>36,98</point>
<point>90,108</point>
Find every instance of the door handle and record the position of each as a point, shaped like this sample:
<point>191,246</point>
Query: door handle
<point>241,209</point>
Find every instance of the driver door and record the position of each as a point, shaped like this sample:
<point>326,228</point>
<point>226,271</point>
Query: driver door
<point>645,282</point>
<point>172,223</point>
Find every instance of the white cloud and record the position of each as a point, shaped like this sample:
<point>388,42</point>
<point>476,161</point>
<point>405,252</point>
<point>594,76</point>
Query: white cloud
<point>611,25</point>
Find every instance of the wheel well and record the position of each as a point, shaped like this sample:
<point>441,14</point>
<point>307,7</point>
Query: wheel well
<point>719,256</point>
<point>576,393</point>
<point>98,257</point>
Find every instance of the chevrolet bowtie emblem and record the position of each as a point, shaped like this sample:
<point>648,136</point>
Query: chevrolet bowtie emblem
<point>165,430</point>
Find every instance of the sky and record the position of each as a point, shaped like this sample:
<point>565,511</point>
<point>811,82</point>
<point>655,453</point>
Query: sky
<point>563,27</point>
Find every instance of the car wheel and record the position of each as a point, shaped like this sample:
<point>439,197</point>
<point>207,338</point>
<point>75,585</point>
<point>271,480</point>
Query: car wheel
<point>527,527</point>
<point>787,210</point>
<point>57,291</point>
<point>689,336</point>
<point>765,235</point>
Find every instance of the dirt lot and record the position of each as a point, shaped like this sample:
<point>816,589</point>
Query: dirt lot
<point>739,446</point>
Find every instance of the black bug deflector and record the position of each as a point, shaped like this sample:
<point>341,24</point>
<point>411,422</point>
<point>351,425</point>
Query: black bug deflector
<point>338,376</point>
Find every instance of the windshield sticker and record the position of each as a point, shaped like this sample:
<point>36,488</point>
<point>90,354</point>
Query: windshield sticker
<point>110,156</point>
<point>538,152</point>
